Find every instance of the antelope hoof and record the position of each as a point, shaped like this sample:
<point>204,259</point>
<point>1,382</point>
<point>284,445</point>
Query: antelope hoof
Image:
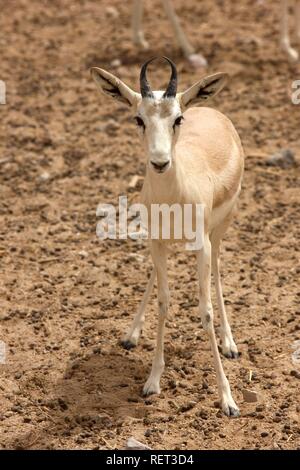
<point>127,344</point>
<point>197,60</point>
<point>231,411</point>
<point>141,42</point>
<point>151,387</point>
<point>231,354</point>
<point>229,348</point>
<point>292,54</point>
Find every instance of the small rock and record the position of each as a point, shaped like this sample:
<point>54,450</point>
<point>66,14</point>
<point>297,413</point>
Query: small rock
<point>295,373</point>
<point>109,126</point>
<point>63,405</point>
<point>44,176</point>
<point>264,434</point>
<point>259,408</point>
<point>83,254</point>
<point>112,12</point>
<point>97,350</point>
<point>202,414</point>
<point>116,63</point>
<point>187,406</point>
<point>132,400</point>
<point>136,257</point>
<point>134,180</point>
<point>133,444</point>
<point>284,159</point>
<point>173,383</point>
<point>250,396</point>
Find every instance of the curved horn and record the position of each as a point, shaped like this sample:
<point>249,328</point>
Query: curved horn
<point>146,91</point>
<point>172,86</point>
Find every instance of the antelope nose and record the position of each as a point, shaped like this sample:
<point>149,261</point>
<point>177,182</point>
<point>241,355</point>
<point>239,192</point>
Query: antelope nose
<point>160,166</point>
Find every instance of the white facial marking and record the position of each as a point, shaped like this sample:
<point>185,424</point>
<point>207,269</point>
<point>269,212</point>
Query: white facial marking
<point>159,131</point>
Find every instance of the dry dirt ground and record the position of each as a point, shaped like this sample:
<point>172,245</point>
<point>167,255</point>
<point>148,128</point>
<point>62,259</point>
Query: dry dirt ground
<point>66,297</point>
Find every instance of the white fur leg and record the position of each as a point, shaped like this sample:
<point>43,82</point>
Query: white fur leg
<point>159,255</point>
<point>186,47</point>
<point>140,41</point>
<point>229,348</point>
<point>137,33</point>
<point>131,338</point>
<point>204,269</point>
<point>285,34</point>
<point>298,20</point>
<point>292,54</point>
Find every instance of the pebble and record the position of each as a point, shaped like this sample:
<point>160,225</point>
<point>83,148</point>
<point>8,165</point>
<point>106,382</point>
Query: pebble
<point>134,180</point>
<point>285,158</point>
<point>133,444</point>
<point>116,63</point>
<point>45,176</point>
<point>187,406</point>
<point>132,400</point>
<point>109,126</point>
<point>295,373</point>
<point>260,408</point>
<point>249,396</point>
<point>136,257</point>
<point>112,12</point>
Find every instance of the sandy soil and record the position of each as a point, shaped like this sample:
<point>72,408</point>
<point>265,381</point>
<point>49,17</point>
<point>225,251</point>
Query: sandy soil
<point>67,298</point>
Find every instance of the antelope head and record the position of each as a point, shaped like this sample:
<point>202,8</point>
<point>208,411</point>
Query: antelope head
<point>158,114</point>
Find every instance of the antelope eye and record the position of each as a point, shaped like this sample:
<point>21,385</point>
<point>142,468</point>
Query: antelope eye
<point>178,121</point>
<point>139,121</point>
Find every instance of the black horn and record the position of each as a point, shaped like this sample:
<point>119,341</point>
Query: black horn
<point>172,86</point>
<point>146,91</point>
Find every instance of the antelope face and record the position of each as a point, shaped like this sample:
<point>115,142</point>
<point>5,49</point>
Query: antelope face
<point>158,114</point>
<point>158,120</point>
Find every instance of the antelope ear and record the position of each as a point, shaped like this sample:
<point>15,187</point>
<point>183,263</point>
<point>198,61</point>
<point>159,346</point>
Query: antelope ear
<point>112,86</point>
<point>203,90</point>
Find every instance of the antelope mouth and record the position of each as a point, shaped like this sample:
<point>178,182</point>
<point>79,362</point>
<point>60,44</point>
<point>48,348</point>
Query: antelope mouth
<point>160,167</point>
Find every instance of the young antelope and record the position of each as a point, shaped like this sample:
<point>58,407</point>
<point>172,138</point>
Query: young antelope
<point>194,156</point>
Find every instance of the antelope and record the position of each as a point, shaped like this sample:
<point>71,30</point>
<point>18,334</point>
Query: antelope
<point>285,36</point>
<point>194,155</point>
<point>196,60</point>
